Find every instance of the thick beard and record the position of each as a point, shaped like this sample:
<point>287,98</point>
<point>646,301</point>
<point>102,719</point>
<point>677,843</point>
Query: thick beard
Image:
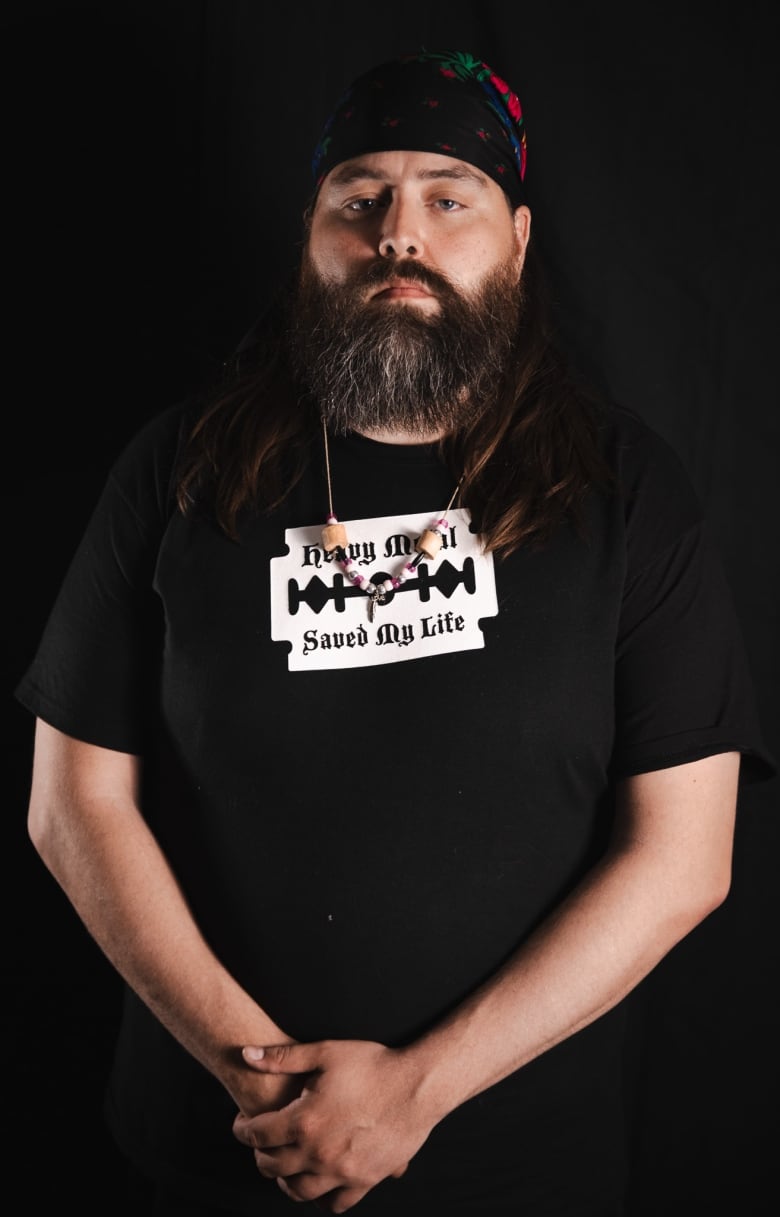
<point>377,367</point>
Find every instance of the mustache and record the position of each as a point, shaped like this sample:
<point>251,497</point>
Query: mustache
<point>379,272</point>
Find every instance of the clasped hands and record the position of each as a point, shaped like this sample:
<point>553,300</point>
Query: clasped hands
<point>358,1119</point>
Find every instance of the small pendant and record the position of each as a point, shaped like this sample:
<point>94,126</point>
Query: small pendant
<point>375,596</point>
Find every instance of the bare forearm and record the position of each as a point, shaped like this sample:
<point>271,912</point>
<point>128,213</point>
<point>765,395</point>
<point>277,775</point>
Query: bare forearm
<point>669,865</point>
<point>132,905</point>
<point>86,825</point>
<point>581,962</point>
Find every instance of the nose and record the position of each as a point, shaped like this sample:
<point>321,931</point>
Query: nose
<point>401,233</point>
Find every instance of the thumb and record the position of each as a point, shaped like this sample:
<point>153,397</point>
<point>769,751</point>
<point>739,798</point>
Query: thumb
<point>283,1058</point>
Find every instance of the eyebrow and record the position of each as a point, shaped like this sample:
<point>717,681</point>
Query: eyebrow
<point>355,172</point>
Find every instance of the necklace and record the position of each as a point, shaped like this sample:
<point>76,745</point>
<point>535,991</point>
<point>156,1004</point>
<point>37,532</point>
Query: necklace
<point>334,541</point>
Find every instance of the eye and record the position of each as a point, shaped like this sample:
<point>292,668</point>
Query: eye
<point>448,204</point>
<point>361,206</point>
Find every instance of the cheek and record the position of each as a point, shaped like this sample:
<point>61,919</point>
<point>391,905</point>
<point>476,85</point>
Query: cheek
<point>466,263</point>
<point>329,261</point>
<point>334,254</point>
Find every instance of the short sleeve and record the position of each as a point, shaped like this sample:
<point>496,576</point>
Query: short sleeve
<point>94,675</point>
<point>683,688</point>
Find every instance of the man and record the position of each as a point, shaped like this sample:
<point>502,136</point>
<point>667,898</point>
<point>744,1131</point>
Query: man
<point>382,814</point>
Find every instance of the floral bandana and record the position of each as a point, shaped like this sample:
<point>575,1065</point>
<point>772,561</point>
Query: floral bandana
<point>447,102</point>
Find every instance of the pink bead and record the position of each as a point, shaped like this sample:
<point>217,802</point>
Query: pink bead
<point>408,566</point>
<point>396,582</point>
<point>356,578</point>
<point>442,524</point>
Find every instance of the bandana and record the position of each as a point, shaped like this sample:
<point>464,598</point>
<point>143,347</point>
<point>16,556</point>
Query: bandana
<point>447,102</point>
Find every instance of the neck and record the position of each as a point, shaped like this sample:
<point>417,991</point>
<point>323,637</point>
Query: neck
<point>389,435</point>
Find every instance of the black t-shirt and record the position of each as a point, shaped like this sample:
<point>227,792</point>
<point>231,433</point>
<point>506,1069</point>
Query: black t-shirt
<point>368,816</point>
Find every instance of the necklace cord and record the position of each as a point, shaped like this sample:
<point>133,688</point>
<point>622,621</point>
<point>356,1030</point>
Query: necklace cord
<point>327,465</point>
<point>328,477</point>
<point>454,496</point>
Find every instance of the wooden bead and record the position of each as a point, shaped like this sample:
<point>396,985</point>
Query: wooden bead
<point>333,536</point>
<point>429,543</point>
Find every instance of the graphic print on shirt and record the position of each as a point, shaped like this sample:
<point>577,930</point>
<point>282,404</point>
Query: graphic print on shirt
<point>325,618</point>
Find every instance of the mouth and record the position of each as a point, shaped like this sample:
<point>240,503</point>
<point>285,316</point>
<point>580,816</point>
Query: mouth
<point>403,289</point>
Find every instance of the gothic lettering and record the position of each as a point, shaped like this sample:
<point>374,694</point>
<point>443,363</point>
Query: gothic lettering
<point>442,623</point>
<point>314,639</point>
<point>361,552</point>
<point>390,632</point>
<point>398,546</point>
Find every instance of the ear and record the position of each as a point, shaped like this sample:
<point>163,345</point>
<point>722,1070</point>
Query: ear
<point>522,223</point>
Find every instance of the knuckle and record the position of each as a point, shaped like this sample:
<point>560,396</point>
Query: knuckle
<point>304,1130</point>
<point>318,1157</point>
<point>305,1187</point>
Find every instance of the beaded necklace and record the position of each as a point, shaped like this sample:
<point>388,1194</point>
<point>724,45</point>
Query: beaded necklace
<point>334,540</point>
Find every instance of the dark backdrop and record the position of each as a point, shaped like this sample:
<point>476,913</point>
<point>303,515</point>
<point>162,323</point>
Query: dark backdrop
<point>156,165</point>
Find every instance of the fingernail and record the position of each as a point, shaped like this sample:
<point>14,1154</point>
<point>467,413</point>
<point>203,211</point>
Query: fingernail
<point>254,1054</point>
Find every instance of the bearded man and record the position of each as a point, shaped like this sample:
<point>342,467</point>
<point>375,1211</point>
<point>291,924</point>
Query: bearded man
<point>381,813</point>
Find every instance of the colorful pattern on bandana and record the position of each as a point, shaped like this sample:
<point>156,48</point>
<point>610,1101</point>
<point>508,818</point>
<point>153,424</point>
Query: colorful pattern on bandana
<point>449,102</point>
<point>503,101</point>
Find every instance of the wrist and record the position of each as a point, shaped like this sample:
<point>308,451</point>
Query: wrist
<point>238,1077</point>
<point>432,1091</point>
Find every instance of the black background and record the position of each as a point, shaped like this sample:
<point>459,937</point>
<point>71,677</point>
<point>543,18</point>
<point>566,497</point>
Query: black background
<point>156,165</point>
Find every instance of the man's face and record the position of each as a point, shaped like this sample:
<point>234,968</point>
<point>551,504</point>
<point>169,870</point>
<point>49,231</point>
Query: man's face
<point>430,209</point>
<point>409,295</point>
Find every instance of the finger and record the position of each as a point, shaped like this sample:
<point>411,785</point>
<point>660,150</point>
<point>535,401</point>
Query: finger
<point>283,1058</point>
<point>272,1130</point>
<point>344,1198</point>
<point>283,1187</point>
<point>307,1187</point>
<point>280,1163</point>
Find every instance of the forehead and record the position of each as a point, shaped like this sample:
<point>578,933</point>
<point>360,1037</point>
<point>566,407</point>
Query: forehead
<point>397,167</point>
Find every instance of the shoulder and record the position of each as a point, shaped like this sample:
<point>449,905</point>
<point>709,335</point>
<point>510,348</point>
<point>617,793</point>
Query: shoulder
<point>144,470</point>
<point>159,438</point>
<point>652,488</point>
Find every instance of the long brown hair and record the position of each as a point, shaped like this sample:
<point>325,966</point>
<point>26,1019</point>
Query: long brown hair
<point>526,462</point>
